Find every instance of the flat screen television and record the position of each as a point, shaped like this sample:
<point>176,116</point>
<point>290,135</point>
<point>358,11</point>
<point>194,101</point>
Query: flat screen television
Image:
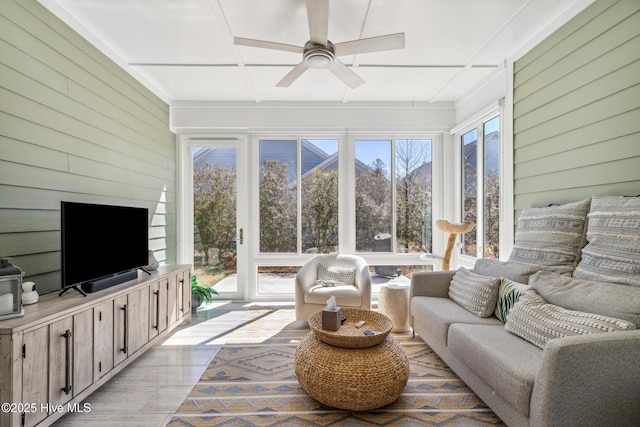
<point>102,245</point>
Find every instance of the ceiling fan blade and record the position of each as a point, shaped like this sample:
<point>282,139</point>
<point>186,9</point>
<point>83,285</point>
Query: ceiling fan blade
<point>371,44</point>
<point>241,41</point>
<point>293,75</point>
<point>318,16</point>
<point>345,74</point>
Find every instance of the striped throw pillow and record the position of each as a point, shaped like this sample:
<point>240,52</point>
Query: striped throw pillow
<point>475,293</point>
<point>551,237</point>
<point>612,253</point>
<point>537,321</point>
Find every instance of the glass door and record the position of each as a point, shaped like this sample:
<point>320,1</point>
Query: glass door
<point>218,234</point>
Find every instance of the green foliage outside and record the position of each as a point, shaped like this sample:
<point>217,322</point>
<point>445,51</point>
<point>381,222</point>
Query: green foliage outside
<point>320,211</point>
<point>278,214</point>
<point>215,205</point>
<point>373,204</point>
<point>214,209</point>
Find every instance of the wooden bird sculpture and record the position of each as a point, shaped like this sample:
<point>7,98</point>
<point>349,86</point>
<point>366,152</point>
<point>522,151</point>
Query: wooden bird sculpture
<point>454,230</point>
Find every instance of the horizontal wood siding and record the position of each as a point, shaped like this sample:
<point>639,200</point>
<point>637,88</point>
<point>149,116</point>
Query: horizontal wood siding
<point>74,126</point>
<point>577,109</point>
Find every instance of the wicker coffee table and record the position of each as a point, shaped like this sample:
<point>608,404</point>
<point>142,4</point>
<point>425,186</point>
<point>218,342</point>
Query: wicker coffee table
<point>356,379</point>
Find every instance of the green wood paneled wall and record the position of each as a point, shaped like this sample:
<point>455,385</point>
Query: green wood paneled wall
<point>74,126</point>
<point>577,109</point>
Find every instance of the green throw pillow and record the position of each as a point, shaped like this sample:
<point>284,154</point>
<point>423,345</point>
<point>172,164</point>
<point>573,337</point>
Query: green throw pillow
<point>508,296</point>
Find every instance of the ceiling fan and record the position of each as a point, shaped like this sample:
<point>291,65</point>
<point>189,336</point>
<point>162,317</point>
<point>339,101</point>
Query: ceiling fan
<point>319,52</point>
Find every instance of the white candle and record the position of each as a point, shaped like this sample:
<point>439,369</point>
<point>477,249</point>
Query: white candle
<point>6,303</point>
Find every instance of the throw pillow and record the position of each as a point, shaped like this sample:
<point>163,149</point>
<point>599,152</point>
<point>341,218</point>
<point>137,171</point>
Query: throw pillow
<point>334,276</point>
<point>508,295</point>
<point>551,237</point>
<point>612,253</point>
<point>537,321</point>
<point>475,293</point>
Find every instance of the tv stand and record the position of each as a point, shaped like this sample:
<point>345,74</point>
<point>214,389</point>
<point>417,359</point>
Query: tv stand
<point>76,287</point>
<point>76,341</point>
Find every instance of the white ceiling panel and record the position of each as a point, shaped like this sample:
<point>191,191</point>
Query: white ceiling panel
<point>203,83</point>
<point>404,84</point>
<point>314,85</point>
<point>184,49</point>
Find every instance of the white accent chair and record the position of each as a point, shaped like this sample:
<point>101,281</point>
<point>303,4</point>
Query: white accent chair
<point>312,297</point>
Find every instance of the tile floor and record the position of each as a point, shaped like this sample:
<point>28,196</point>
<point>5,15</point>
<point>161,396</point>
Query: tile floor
<point>148,392</point>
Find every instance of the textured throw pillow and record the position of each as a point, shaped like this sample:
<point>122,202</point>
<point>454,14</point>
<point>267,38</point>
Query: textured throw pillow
<point>551,237</point>
<point>508,295</point>
<point>475,293</point>
<point>334,276</point>
<point>612,253</point>
<point>538,322</point>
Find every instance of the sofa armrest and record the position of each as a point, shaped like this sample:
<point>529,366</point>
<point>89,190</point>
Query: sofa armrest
<point>431,283</point>
<point>588,380</point>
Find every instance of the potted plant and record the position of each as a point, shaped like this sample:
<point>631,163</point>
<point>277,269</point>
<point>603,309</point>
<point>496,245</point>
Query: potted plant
<point>200,293</point>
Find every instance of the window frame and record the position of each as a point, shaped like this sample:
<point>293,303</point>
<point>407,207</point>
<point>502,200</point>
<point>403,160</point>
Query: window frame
<point>346,196</point>
<point>457,133</point>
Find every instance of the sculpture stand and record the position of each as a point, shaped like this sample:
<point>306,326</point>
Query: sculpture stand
<point>454,230</point>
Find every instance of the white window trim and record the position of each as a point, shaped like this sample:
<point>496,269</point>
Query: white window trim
<point>249,142</point>
<point>506,178</point>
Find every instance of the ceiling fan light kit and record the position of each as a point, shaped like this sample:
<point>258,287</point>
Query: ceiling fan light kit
<point>318,56</point>
<point>320,53</point>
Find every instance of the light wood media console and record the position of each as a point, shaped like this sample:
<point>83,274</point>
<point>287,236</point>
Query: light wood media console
<point>66,347</point>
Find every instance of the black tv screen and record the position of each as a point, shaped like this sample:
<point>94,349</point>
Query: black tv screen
<point>99,241</point>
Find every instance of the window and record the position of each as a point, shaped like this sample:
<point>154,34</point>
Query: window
<point>480,192</point>
<point>393,195</point>
<point>373,196</point>
<point>298,193</point>
<point>259,209</point>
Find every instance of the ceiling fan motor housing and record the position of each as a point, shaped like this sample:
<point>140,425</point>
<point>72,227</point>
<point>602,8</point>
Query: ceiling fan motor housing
<point>319,56</point>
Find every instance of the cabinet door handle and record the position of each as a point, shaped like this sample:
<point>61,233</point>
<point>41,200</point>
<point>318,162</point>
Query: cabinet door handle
<point>182,293</point>
<point>67,362</point>
<point>157,325</point>
<point>126,316</point>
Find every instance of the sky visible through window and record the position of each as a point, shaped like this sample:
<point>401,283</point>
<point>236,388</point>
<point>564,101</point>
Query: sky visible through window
<point>367,151</point>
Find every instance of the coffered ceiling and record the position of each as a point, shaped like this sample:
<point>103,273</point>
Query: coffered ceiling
<point>184,49</point>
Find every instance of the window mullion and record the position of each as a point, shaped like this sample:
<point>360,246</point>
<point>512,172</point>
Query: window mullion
<point>299,196</point>
<point>479,230</point>
<point>394,212</point>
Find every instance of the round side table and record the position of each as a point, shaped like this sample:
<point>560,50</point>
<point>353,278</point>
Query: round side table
<point>393,302</point>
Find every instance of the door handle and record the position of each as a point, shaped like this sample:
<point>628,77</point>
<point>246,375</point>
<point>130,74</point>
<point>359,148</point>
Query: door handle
<point>241,238</point>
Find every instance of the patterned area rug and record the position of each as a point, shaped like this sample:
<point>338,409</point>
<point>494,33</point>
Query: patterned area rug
<point>254,385</point>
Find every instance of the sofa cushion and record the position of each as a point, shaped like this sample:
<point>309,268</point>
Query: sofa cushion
<point>474,292</point>
<point>607,299</point>
<point>515,271</point>
<point>505,362</point>
<point>551,237</point>
<point>538,322</point>
<point>612,253</point>
<point>508,295</point>
<point>437,314</point>
<point>348,295</point>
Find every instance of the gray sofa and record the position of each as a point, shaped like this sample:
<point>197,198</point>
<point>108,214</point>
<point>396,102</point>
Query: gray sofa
<point>581,380</point>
